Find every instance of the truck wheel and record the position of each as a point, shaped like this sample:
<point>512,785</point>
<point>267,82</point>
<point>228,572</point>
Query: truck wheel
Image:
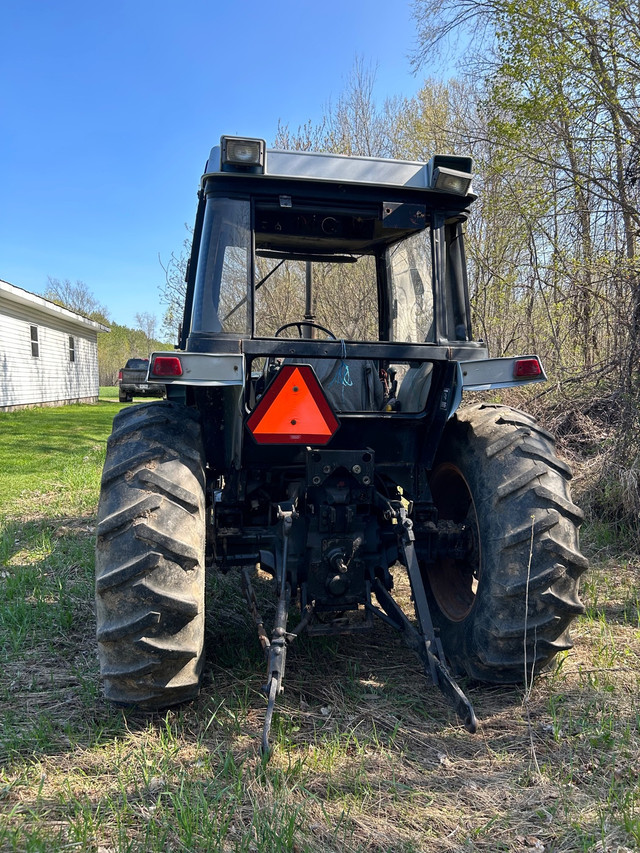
<point>150,557</point>
<point>123,397</point>
<point>506,607</point>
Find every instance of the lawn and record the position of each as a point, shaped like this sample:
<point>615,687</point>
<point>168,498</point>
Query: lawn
<point>368,756</point>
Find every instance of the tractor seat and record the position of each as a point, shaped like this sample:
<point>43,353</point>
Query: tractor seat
<point>414,388</point>
<point>350,385</point>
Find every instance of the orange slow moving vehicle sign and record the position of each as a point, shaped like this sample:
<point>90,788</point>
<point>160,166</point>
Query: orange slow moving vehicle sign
<point>293,410</point>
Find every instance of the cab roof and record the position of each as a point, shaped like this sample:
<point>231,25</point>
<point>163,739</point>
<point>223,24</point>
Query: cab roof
<point>338,168</point>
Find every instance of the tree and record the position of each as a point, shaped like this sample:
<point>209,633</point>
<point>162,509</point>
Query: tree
<point>76,297</point>
<point>561,105</point>
<point>174,289</point>
<point>120,342</point>
<point>355,125</point>
<point>147,323</point>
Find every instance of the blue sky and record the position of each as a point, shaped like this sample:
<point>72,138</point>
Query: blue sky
<point>108,111</point>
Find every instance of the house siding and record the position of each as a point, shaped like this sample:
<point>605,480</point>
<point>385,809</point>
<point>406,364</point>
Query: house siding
<point>51,378</point>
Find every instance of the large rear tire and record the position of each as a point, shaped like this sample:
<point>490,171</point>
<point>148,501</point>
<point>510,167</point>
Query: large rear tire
<point>506,607</point>
<point>150,557</point>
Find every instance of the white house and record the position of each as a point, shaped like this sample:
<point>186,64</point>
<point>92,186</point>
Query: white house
<point>48,354</point>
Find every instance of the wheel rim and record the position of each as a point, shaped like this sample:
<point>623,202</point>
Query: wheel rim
<point>454,582</point>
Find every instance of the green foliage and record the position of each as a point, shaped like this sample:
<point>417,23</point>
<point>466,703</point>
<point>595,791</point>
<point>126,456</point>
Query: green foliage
<point>120,344</point>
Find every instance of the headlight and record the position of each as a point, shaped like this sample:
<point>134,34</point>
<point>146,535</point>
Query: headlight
<point>451,181</point>
<point>238,152</point>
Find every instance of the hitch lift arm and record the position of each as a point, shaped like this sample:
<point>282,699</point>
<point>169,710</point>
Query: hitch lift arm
<point>275,649</point>
<point>427,644</point>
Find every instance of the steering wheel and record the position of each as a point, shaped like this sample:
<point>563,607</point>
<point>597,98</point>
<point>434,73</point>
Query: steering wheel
<point>298,324</point>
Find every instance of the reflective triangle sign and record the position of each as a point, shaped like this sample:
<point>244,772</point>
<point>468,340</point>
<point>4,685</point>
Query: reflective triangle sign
<point>293,410</point>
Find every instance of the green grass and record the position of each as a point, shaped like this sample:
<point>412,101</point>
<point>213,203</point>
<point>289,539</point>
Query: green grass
<point>368,756</point>
<point>108,392</point>
<point>51,458</point>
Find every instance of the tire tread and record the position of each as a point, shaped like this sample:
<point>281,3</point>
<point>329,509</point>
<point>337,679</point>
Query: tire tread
<point>528,542</point>
<point>150,557</point>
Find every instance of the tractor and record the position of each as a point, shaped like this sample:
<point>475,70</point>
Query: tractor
<point>313,432</point>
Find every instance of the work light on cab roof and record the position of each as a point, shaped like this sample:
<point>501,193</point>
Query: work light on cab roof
<point>451,180</point>
<point>238,152</point>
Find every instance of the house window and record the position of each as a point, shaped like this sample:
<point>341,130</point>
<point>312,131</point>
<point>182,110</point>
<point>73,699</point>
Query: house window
<point>35,346</point>
<point>72,348</point>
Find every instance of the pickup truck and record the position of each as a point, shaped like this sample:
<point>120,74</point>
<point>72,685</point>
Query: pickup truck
<point>132,381</point>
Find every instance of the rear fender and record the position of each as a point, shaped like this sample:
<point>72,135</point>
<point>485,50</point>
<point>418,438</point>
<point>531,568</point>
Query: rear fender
<point>489,373</point>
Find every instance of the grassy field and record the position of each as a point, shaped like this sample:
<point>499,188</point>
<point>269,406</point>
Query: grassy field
<point>368,756</point>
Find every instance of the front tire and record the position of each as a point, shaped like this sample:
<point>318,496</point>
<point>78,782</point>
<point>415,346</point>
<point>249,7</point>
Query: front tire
<point>150,557</point>
<point>505,609</point>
